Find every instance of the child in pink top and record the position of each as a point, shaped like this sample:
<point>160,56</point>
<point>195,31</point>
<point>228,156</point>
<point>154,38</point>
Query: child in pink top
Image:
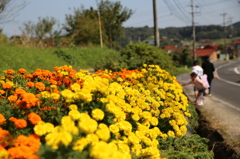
<point>197,82</point>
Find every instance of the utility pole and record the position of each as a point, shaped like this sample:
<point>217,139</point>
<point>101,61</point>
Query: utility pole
<point>225,43</point>
<point>231,26</point>
<point>193,32</point>
<point>156,31</point>
<point>100,28</point>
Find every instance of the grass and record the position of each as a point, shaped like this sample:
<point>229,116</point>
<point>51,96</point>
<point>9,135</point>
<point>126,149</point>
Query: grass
<point>15,57</point>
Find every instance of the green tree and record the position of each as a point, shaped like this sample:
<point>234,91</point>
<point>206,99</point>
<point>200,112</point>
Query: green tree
<point>113,14</point>
<point>83,27</point>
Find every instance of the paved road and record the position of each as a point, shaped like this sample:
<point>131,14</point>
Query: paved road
<point>227,89</point>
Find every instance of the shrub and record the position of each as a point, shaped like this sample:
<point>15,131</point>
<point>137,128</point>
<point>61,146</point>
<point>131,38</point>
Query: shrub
<point>135,55</point>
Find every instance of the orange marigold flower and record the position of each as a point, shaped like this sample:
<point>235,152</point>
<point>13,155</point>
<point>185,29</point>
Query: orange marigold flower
<point>30,84</point>
<point>20,123</point>
<point>6,86</point>
<point>22,70</point>
<point>5,137</point>
<point>12,98</point>
<point>10,72</point>
<point>12,119</point>
<point>25,147</point>
<point>56,69</point>
<point>20,91</point>
<point>29,99</point>
<point>34,118</point>
<point>2,92</point>
<point>2,119</point>
<point>40,86</point>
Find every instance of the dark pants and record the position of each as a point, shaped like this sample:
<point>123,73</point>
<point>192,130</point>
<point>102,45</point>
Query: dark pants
<point>210,84</point>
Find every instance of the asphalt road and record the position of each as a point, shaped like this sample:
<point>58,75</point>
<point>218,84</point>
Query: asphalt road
<point>227,88</point>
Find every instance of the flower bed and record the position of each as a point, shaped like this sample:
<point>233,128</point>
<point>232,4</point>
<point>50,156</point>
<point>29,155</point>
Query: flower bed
<point>81,115</point>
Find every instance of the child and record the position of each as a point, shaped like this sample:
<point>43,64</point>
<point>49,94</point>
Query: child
<point>197,82</point>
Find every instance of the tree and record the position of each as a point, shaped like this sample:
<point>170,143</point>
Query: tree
<point>113,14</point>
<point>9,9</point>
<point>82,27</point>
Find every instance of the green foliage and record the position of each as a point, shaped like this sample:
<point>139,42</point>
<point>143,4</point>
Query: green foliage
<point>113,15</point>
<point>110,62</point>
<point>135,55</point>
<point>182,59</point>
<point>186,147</point>
<point>13,57</point>
<point>83,26</point>
<point>66,57</point>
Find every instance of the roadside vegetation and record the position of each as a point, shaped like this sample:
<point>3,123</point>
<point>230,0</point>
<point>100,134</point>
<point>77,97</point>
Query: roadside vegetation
<point>42,49</point>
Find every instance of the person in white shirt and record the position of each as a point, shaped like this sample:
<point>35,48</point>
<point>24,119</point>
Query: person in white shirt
<point>199,71</point>
<point>197,82</point>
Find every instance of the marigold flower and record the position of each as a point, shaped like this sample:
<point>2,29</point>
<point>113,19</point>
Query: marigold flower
<point>12,98</point>
<point>6,86</point>
<point>29,100</point>
<point>40,86</point>
<point>3,153</point>
<point>25,147</point>
<point>34,118</point>
<point>22,70</point>
<point>10,72</point>
<point>20,123</point>
<point>97,114</point>
<point>2,119</point>
<point>2,92</point>
<point>4,137</point>
<point>30,84</point>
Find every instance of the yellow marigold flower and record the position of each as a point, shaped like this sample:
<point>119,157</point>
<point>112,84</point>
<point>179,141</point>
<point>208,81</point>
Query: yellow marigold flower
<point>73,107</point>
<point>75,87</point>
<point>103,132</point>
<point>164,136</point>
<point>57,137</point>
<point>146,115</point>
<point>97,114</point>
<point>75,114</point>
<point>135,117</point>
<point>114,128</point>
<point>154,121</point>
<point>55,95</point>
<point>40,128</point>
<point>45,94</point>
<point>49,127</point>
<point>92,138</point>
<point>3,153</point>
<point>53,86</point>
<point>133,138</point>
<point>144,65</point>
<point>171,133</point>
<point>80,144</point>
<point>88,126</point>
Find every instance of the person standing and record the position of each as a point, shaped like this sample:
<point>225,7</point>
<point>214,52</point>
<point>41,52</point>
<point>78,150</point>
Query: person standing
<point>199,71</point>
<point>209,70</point>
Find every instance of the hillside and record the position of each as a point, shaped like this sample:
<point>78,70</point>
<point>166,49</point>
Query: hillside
<point>173,35</point>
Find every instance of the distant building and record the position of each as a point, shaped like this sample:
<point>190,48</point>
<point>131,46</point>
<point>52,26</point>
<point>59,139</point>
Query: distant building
<point>150,42</point>
<point>209,49</point>
<point>234,49</point>
<point>172,49</point>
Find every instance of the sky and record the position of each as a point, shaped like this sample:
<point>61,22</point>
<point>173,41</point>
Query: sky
<point>170,13</point>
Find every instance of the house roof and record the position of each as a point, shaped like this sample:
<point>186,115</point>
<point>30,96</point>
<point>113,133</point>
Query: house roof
<point>204,52</point>
<point>170,47</point>
<point>211,45</point>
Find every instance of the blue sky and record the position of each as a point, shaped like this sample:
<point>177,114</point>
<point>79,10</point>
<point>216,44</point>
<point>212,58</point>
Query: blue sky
<point>174,13</point>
